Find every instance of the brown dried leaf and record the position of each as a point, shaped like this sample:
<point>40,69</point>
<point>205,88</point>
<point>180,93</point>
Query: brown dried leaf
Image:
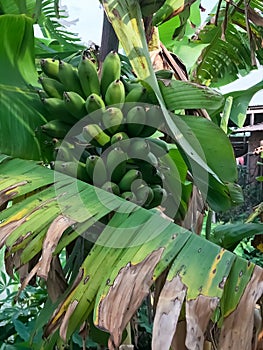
<point>237,329</point>
<point>198,314</point>
<point>54,233</point>
<point>7,194</point>
<point>167,313</point>
<point>56,282</point>
<point>125,296</point>
<point>64,324</point>
<point>8,228</point>
<point>178,342</point>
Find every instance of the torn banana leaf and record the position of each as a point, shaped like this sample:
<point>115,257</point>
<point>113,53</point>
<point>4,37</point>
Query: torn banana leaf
<point>131,252</point>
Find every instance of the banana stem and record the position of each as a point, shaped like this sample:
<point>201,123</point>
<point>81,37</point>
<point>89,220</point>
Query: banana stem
<point>109,40</point>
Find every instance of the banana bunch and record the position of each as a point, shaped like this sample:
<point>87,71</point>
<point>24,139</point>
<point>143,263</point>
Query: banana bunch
<point>117,150</point>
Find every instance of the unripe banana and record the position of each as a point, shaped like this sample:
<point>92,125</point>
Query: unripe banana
<point>116,164</point>
<point>88,76</point>
<point>111,187</point>
<point>64,153</point>
<point>137,94</point>
<point>110,71</point>
<point>144,195</point>
<point>135,120</point>
<point>154,120</point>
<point>74,168</point>
<point>95,135</point>
<point>52,87</point>
<point>159,196</point>
<point>129,196</point>
<point>138,148</point>
<point>166,11</point>
<point>112,119</point>
<point>131,176</point>
<point>158,147</point>
<point>121,139</point>
<point>96,170</point>
<point>56,128</point>
<point>50,67</point>
<point>93,103</point>
<point>56,107</point>
<point>115,94</point>
<point>75,104</point>
<point>68,76</point>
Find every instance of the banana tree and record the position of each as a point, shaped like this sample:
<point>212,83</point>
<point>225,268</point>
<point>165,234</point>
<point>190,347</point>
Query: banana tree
<point>45,212</point>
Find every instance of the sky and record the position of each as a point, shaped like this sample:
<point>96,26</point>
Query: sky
<point>89,18</point>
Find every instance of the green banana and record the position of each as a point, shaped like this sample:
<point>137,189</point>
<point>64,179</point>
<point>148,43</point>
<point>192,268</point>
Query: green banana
<point>75,104</point>
<point>137,94</point>
<point>135,120</point>
<point>52,87</point>
<point>129,196</point>
<point>144,195</point>
<point>128,179</point>
<point>88,76</point>
<point>112,120</point>
<point>159,196</point>
<point>166,11</point>
<point>152,159</point>
<point>95,135</point>
<point>93,103</point>
<point>110,71</point>
<point>56,107</point>
<point>56,128</point>
<point>115,94</point>
<point>148,170</point>
<point>68,76</point>
<point>50,67</point>
<point>116,164</point>
<point>154,121</point>
<point>139,148</point>
<point>158,147</point>
<point>96,170</point>
<point>121,139</point>
<point>111,187</point>
<point>65,152</point>
<point>74,168</point>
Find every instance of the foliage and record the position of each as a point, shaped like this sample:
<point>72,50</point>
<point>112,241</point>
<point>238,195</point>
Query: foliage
<point>137,245</point>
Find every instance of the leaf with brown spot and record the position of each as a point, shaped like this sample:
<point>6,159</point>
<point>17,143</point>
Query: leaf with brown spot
<point>237,329</point>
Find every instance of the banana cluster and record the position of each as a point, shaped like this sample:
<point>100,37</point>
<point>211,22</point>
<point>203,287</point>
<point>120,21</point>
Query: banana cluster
<point>120,155</point>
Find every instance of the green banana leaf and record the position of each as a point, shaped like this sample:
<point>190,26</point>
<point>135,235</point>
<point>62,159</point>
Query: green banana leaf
<point>241,100</point>
<point>229,235</point>
<point>46,15</point>
<point>21,111</point>
<point>133,249</point>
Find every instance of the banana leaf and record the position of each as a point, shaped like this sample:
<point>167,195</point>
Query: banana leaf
<point>229,235</point>
<point>133,249</point>
<point>21,111</point>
